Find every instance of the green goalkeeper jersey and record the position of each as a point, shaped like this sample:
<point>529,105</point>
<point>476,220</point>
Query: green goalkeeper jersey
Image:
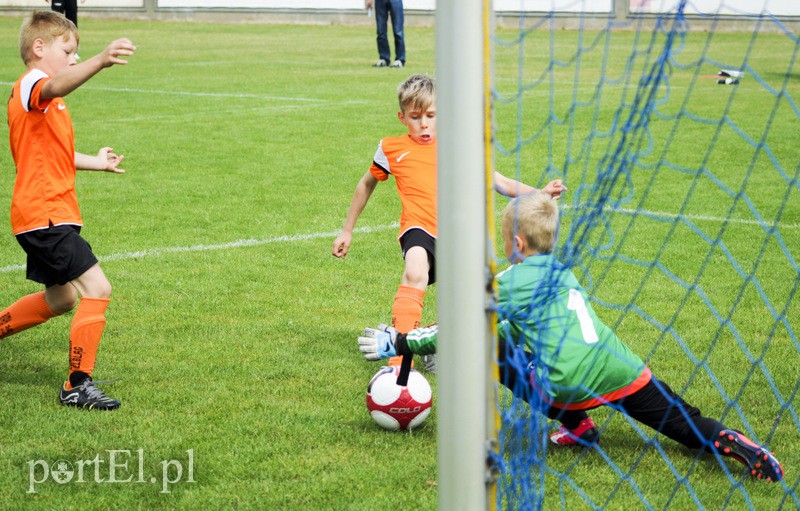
<point>541,306</point>
<point>422,341</point>
<point>581,362</point>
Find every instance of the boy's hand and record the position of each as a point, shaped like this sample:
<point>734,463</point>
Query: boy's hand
<point>119,48</point>
<point>342,244</point>
<point>109,161</point>
<point>555,188</point>
<point>378,343</point>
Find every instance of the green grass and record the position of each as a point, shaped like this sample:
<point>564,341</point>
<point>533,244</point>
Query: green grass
<point>245,352</point>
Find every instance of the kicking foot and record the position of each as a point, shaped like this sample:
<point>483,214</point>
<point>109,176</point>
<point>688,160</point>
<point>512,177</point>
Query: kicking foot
<point>87,395</point>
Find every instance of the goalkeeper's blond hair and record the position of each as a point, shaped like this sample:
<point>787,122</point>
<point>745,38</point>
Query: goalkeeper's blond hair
<point>417,93</point>
<point>534,218</point>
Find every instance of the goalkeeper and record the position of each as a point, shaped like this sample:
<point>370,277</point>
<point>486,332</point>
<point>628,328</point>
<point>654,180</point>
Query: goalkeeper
<point>580,363</point>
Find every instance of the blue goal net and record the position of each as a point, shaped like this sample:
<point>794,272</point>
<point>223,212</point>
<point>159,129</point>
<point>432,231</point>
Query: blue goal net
<point>676,128</point>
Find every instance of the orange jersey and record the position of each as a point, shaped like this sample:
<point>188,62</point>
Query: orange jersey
<point>43,147</point>
<point>413,166</point>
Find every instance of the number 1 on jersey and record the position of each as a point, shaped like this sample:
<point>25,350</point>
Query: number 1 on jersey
<point>576,303</point>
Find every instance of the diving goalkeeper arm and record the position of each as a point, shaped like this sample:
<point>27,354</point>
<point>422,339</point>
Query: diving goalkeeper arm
<point>384,342</point>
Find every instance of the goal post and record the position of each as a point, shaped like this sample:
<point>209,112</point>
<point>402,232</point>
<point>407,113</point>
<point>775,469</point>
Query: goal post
<point>465,398</point>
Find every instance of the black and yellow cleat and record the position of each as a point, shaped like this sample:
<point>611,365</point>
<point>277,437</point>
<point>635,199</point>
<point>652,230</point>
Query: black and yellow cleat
<point>87,395</point>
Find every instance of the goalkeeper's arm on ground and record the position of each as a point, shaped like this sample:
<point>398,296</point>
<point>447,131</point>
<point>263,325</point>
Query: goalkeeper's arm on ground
<point>384,342</point>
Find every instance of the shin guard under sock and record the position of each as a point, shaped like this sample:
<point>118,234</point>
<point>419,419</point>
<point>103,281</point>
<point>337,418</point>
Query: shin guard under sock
<point>84,336</point>
<point>27,312</point>
<point>406,312</point>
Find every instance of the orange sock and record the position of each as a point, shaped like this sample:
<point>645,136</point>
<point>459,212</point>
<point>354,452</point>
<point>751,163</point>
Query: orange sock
<point>406,312</point>
<point>25,313</point>
<point>84,336</point>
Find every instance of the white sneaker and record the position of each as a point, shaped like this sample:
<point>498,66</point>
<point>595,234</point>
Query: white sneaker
<point>397,63</point>
<point>380,63</point>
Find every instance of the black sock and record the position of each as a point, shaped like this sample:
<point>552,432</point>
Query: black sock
<point>76,378</point>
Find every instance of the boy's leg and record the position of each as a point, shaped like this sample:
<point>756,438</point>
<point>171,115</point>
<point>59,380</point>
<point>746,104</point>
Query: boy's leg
<point>409,299</point>
<point>514,373</point>
<point>84,340</point>
<point>63,261</point>
<point>406,312</point>
<point>569,418</point>
<point>577,428</point>
<point>27,312</point>
<point>88,324</point>
<point>656,405</point>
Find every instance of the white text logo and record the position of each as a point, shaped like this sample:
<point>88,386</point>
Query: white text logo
<point>116,466</point>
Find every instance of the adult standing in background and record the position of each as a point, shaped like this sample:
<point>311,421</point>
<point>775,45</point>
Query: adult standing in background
<point>383,10</point>
<point>68,8</point>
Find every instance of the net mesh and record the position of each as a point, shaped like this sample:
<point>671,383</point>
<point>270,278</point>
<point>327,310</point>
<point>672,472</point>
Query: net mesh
<point>676,131</point>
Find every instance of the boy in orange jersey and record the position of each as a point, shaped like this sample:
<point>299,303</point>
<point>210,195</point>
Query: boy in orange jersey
<point>45,216</point>
<point>411,159</point>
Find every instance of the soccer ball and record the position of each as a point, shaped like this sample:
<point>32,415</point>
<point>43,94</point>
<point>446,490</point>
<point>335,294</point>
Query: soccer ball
<point>394,407</point>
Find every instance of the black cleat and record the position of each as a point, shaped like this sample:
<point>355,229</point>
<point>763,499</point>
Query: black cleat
<point>87,395</point>
<point>760,462</point>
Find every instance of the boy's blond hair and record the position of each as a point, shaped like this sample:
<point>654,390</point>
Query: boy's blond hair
<point>534,218</point>
<point>417,93</point>
<point>44,25</point>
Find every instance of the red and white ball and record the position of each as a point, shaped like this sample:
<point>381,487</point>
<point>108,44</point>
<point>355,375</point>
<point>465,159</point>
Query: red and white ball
<point>394,407</point>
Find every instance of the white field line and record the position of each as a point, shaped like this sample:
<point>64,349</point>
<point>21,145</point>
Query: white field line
<point>198,94</point>
<point>299,102</point>
<point>227,95</point>
<point>204,94</point>
<point>155,252</point>
<point>214,115</point>
<point>697,218</point>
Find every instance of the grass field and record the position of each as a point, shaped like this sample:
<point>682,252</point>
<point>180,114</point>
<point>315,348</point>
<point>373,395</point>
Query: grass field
<point>232,327</point>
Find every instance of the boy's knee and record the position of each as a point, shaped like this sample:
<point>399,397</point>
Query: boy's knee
<point>64,307</point>
<point>96,288</point>
<point>62,304</point>
<point>102,291</point>
<point>415,279</point>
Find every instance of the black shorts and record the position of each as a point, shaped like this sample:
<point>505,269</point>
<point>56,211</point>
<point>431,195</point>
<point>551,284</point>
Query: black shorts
<point>56,255</point>
<point>420,238</point>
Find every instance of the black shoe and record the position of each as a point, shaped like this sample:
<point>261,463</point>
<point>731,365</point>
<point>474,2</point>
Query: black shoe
<point>87,395</point>
<point>760,462</point>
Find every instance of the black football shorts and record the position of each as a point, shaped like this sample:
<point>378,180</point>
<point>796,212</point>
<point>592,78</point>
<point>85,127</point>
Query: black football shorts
<point>56,255</point>
<point>420,238</point>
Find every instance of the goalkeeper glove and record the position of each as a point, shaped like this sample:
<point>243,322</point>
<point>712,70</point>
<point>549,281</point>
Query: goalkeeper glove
<point>378,343</point>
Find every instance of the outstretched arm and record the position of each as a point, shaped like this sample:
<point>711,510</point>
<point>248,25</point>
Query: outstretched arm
<point>513,188</point>
<point>364,190</point>
<point>385,342</point>
<point>76,75</point>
